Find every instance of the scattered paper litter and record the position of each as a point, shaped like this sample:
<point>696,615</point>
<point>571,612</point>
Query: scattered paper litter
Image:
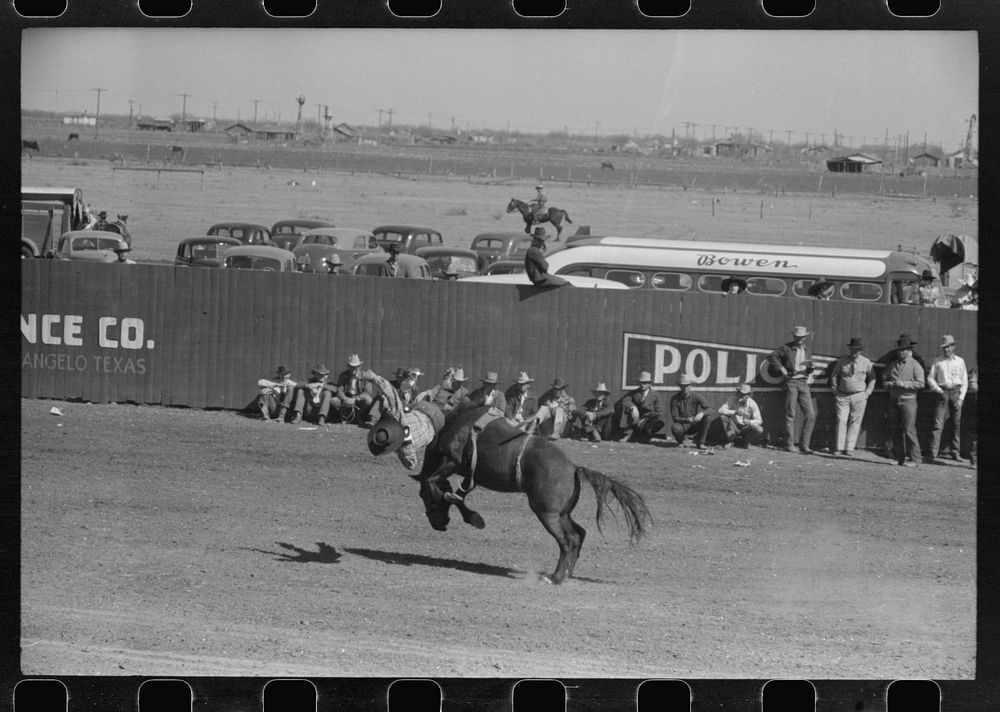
<point>55,411</point>
<point>308,427</point>
<point>742,463</point>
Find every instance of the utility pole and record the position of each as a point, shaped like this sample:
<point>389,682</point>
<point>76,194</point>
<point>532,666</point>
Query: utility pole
<point>380,119</point>
<point>97,119</point>
<point>130,102</point>
<point>184,109</point>
<point>319,119</point>
<point>390,119</point>
<point>255,102</point>
<point>215,107</point>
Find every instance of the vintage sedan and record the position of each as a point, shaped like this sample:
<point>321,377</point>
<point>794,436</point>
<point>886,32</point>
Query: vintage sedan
<point>317,246</point>
<point>505,267</point>
<point>407,238</point>
<point>410,266</point>
<point>259,257</point>
<point>247,233</point>
<point>89,246</point>
<point>450,262</point>
<point>286,233</point>
<point>495,246</point>
<point>522,280</point>
<point>203,251</point>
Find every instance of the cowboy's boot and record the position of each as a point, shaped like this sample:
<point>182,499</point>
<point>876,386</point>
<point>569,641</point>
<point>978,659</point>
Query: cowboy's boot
<point>282,413</point>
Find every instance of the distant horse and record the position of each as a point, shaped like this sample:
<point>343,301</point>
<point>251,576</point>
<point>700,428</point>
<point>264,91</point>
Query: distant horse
<point>552,215</point>
<point>74,137</point>
<point>607,166</point>
<point>506,459</point>
<point>29,146</point>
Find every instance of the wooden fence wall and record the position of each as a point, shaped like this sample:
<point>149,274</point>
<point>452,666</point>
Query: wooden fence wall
<point>201,338</point>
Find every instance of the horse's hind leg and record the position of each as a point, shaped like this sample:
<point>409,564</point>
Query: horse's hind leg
<point>567,534</point>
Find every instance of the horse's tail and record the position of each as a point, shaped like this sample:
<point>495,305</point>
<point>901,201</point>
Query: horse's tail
<point>566,215</point>
<point>637,516</point>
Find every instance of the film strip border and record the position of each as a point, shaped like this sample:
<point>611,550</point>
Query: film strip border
<point>424,695</point>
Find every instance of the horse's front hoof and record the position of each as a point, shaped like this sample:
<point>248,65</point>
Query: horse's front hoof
<point>475,520</point>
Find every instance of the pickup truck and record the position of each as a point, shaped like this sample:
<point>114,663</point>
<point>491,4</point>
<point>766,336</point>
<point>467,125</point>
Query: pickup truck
<point>47,213</point>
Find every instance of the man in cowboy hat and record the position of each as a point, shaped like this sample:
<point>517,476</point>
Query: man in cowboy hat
<point>741,419</point>
<point>314,397</point>
<point>102,222</point>
<point>487,393</point>
<point>732,286</point>
<point>276,395</point>
<point>537,204</point>
<point>355,395</point>
<point>852,380</point>
<point>451,391</point>
<point>557,406</point>
<point>642,412</point>
<point>408,384</point>
<point>793,361</point>
<point>535,264</point>
<point>594,418</point>
<point>689,414</point>
<point>949,379</point>
<point>521,407</point>
<point>823,289</point>
<point>390,268</point>
<point>929,290</point>
<point>904,378</point>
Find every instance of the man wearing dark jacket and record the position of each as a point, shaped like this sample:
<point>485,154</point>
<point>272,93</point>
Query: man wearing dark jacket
<point>535,264</point>
<point>642,412</point>
<point>793,360</point>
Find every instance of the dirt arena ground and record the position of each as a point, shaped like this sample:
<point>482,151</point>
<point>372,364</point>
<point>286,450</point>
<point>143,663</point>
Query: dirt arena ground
<point>162,541</point>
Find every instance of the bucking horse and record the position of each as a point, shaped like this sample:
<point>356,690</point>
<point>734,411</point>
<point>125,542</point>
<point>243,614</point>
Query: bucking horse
<point>500,457</point>
<point>552,215</point>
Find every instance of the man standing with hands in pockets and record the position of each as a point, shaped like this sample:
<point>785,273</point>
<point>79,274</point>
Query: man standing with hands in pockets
<point>793,360</point>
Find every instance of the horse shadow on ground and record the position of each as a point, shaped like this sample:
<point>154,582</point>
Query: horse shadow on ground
<point>326,554</point>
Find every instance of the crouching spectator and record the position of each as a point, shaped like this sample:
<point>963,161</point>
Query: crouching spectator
<point>642,413</point>
<point>593,419</point>
<point>354,395</point>
<point>556,409</point>
<point>741,419</point>
<point>689,415</point>
<point>276,395</point>
<point>313,398</point>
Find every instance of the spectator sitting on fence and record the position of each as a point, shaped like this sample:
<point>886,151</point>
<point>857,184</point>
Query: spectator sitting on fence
<point>741,419</point>
<point>535,264</point>
<point>275,395</point>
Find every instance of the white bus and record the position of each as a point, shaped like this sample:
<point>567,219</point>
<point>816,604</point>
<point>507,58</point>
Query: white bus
<point>888,276</point>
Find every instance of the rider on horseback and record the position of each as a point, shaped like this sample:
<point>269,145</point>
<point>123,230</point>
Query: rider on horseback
<point>537,204</point>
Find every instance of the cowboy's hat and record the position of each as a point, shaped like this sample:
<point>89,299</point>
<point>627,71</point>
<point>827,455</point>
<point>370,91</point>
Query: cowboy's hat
<point>321,370</point>
<point>800,331</point>
<point>386,436</point>
<point>819,285</point>
<point>414,372</point>
<point>539,187</point>
<point>282,371</point>
<point>354,360</point>
<point>927,276</point>
<point>490,377</point>
<point>685,380</point>
<point>730,281</point>
<point>645,377</point>
<point>559,383</point>
<point>904,342</point>
<point>523,377</point>
<point>539,233</point>
<point>948,340</point>
<point>459,375</point>
<point>744,389</point>
<point>855,343</point>
<point>601,388</point>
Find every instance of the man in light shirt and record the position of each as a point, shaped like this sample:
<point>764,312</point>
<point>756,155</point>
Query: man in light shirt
<point>904,378</point>
<point>852,381</point>
<point>741,419</point>
<point>949,380</point>
<point>793,361</point>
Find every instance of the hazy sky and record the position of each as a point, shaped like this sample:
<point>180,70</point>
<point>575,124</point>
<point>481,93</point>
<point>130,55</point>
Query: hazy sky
<point>860,83</point>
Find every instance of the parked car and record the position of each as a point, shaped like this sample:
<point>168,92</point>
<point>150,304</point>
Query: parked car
<point>286,233</point>
<point>450,262</point>
<point>89,245</point>
<point>259,257</point>
<point>411,266</point>
<point>203,251</point>
<point>406,237</point>
<point>316,246</point>
<point>247,233</point>
<point>495,246</point>
<point>505,267</point>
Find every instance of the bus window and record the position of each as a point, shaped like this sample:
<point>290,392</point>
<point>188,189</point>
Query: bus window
<point>769,286</point>
<point>676,281</point>
<point>711,282</point>
<point>579,272</point>
<point>800,288</point>
<point>630,278</point>
<point>861,291</point>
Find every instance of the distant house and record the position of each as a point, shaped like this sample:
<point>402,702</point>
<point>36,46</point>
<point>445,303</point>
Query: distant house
<point>926,160</point>
<point>196,125</point>
<point>957,160</point>
<point>740,150</point>
<point>154,124</point>
<point>238,132</point>
<point>80,120</point>
<point>345,132</point>
<point>855,163</point>
<point>275,134</point>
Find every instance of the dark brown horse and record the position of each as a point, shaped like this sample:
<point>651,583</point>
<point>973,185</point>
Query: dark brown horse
<point>509,460</point>
<point>552,215</point>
